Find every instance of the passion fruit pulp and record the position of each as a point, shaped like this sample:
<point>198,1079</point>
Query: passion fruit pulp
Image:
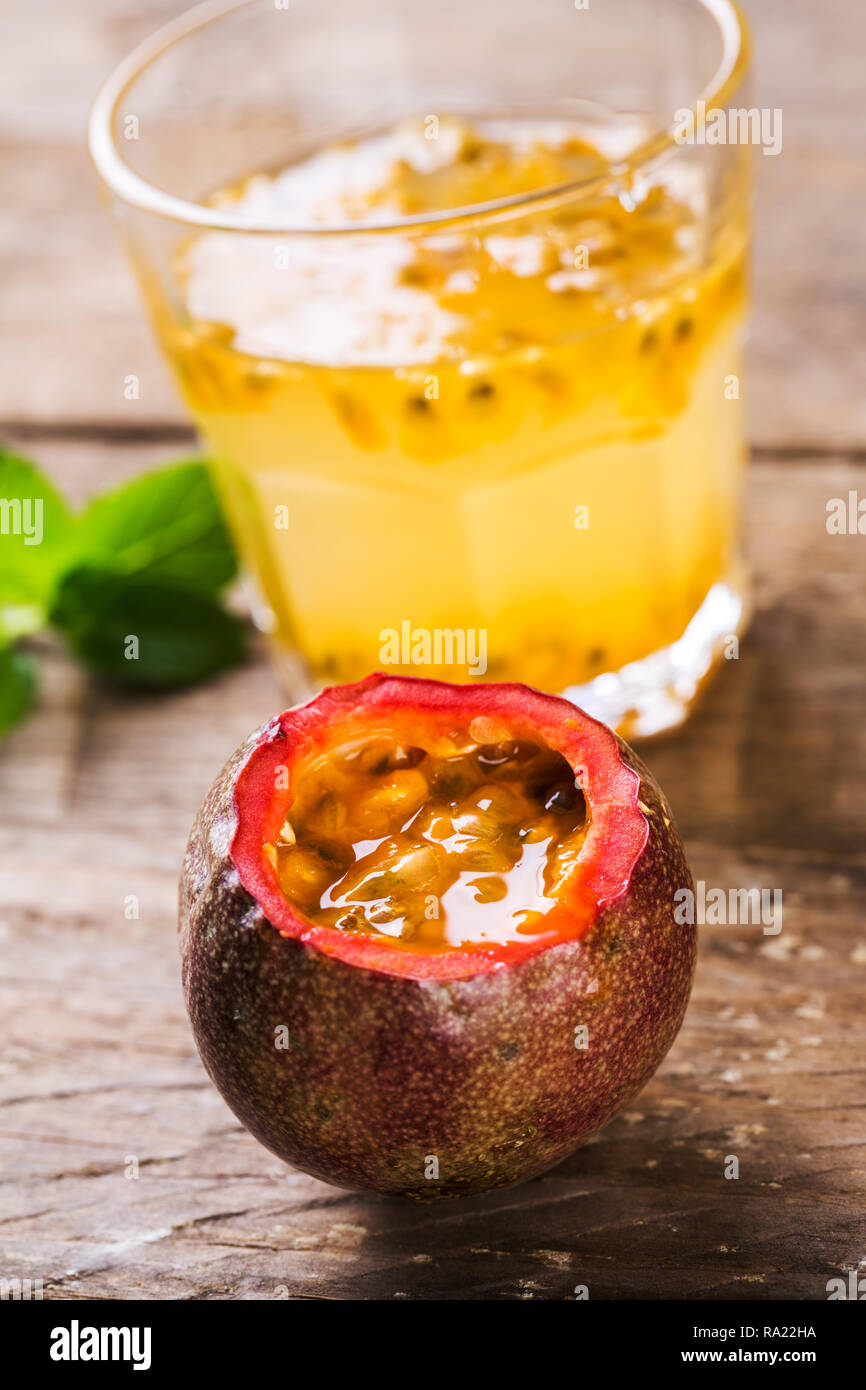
<point>437,984</point>
<point>466,844</point>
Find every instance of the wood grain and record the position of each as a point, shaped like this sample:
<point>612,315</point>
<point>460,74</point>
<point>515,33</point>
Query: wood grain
<point>97,794</point>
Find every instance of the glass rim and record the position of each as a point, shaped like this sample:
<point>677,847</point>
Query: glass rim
<point>138,192</point>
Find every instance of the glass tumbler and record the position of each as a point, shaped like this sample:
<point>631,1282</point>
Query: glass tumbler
<point>455,294</point>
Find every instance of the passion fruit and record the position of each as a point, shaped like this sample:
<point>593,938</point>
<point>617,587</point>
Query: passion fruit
<point>428,934</point>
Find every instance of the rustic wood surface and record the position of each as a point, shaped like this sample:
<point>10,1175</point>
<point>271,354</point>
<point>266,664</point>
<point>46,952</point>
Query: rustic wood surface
<point>767,781</point>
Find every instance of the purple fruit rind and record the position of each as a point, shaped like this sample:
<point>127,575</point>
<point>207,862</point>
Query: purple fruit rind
<point>384,1074</point>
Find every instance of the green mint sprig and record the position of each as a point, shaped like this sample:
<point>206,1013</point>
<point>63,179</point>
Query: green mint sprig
<point>132,583</point>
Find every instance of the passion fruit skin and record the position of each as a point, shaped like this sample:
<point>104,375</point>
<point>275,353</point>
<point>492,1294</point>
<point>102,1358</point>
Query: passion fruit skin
<point>428,1088</point>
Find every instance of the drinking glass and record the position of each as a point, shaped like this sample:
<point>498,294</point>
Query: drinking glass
<point>498,437</point>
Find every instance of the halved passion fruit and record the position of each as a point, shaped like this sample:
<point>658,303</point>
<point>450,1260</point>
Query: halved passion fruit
<point>428,933</point>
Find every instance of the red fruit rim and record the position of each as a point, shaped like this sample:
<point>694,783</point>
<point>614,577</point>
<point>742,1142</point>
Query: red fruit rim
<point>407,708</point>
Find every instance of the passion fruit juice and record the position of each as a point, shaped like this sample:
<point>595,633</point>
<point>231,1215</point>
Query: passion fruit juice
<point>525,427</point>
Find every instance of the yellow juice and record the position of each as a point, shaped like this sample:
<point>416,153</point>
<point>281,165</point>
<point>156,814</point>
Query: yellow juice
<point>507,449</point>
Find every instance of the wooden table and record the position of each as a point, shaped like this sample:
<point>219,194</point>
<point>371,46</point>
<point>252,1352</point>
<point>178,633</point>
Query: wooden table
<point>767,780</point>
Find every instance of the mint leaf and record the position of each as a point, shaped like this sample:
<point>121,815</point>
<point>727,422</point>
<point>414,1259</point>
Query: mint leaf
<point>37,535</point>
<point>17,687</point>
<point>167,525</point>
<point>143,631</point>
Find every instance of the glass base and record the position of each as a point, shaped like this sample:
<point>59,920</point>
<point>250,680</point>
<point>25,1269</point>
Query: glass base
<point>654,694</point>
<point>639,700</point>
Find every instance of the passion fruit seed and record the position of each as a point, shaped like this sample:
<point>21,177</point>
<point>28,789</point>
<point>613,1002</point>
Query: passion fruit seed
<point>489,889</point>
<point>510,756</point>
<point>396,800</point>
<point>452,778</point>
<point>358,421</point>
<point>487,859</point>
<point>328,816</point>
<point>483,391</point>
<point>381,756</point>
<point>306,870</point>
<point>379,830</point>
